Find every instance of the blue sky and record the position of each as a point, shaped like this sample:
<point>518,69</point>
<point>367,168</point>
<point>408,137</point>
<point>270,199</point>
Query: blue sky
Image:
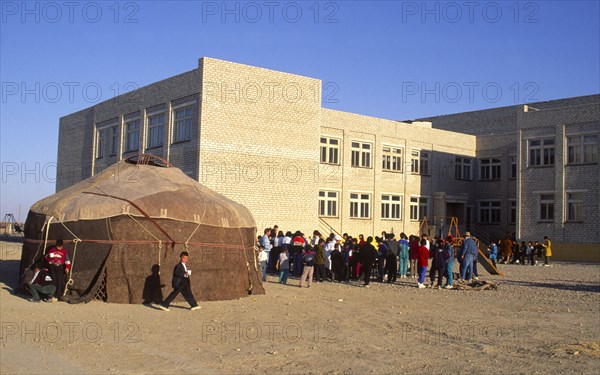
<point>396,60</point>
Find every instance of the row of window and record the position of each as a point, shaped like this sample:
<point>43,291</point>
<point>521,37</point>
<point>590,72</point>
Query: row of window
<point>182,131</point>
<point>361,156</point>
<point>360,206</point>
<point>581,149</point>
<point>574,205</point>
<point>489,211</point>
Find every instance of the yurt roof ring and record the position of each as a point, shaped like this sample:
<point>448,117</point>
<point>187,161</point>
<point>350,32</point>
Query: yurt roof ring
<point>148,159</point>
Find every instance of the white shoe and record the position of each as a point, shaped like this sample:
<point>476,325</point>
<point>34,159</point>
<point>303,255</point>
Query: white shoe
<point>422,286</point>
<point>195,308</point>
<point>448,287</point>
<point>163,308</point>
<point>476,278</point>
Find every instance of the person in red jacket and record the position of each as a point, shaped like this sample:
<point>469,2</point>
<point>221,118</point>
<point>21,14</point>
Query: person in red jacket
<point>58,264</point>
<point>423,261</point>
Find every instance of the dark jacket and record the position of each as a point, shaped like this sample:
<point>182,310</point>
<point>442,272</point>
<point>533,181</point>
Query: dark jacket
<point>43,278</point>
<point>368,254</point>
<point>392,245</point>
<point>179,276</point>
<point>319,255</point>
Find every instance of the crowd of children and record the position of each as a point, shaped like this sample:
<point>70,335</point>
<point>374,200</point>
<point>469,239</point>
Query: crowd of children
<point>345,258</point>
<point>523,253</point>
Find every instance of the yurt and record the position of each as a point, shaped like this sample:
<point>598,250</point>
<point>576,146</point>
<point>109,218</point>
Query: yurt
<point>125,227</point>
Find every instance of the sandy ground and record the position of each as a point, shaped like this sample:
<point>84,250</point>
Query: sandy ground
<point>541,320</point>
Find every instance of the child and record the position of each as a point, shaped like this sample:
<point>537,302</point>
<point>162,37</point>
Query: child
<point>449,256</point>
<point>531,253</point>
<point>308,260</point>
<point>523,253</point>
<point>493,253</point>
<point>181,284</point>
<point>403,245</point>
<point>422,262</point>
<point>263,258</point>
<point>283,265</point>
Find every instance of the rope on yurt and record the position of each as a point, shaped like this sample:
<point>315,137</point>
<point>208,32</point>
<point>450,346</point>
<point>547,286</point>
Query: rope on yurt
<point>249,290</point>
<point>76,240</point>
<point>71,281</point>
<point>47,225</point>
<point>160,244</point>
<point>127,212</point>
<point>199,222</point>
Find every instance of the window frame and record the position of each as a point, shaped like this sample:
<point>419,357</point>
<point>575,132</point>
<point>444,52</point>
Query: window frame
<point>580,148</point>
<point>151,130</point>
<point>129,133</point>
<point>546,205</point>
<point>393,157</point>
<point>578,205</point>
<point>188,123</point>
<point>513,167</point>
<point>419,162</point>
<point>421,201</point>
<point>329,148</point>
<point>494,165</point>
<point>358,205</point>
<point>540,151</point>
<point>387,205</point>
<point>512,206</point>
<point>364,159</point>
<point>114,140</point>
<point>325,200</point>
<point>493,207</point>
<point>459,168</point>
<point>100,141</point>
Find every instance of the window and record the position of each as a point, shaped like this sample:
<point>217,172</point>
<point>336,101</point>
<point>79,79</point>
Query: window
<point>361,155</point>
<point>132,139</point>
<point>419,162</point>
<point>100,143</point>
<point>512,162</point>
<point>513,211</point>
<point>114,140</point>
<point>360,205</point>
<point>328,203</point>
<point>489,169</point>
<point>419,207</point>
<point>392,159</point>
<point>182,128</point>
<point>330,150</point>
<point>582,149</point>
<point>541,152</point>
<point>391,207</point>
<point>546,207</point>
<point>462,169</point>
<point>489,212</point>
<point>156,126</point>
<point>575,206</point>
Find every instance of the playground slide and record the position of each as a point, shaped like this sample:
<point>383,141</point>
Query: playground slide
<point>487,264</point>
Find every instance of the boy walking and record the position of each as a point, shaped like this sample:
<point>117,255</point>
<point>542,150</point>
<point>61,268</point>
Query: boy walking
<point>181,284</point>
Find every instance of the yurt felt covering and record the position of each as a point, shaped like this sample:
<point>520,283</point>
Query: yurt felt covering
<point>125,228</point>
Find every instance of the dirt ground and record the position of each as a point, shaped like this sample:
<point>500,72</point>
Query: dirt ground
<point>541,320</point>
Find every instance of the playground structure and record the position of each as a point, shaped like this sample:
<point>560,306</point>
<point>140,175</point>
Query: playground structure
<point>10,225</point>
<point>458,241</point>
